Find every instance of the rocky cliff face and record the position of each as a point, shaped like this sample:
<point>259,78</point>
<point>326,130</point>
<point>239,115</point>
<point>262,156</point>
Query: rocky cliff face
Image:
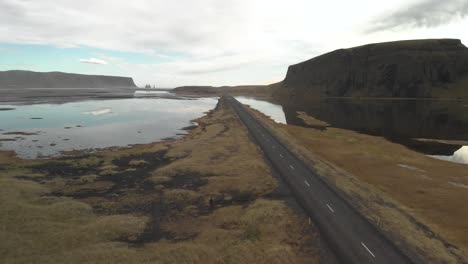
<point>27,79</point>
<point>417,68</point>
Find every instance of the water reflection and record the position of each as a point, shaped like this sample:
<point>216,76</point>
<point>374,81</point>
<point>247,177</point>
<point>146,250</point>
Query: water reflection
<point>460,156</point>
<point>275,111</point>
<point>47,129</point>
<point>400,121</point>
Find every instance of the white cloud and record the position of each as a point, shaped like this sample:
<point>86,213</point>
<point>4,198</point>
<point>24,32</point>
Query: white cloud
<point>428,13</point>
<point>207,41</point>
<point>93,61</point>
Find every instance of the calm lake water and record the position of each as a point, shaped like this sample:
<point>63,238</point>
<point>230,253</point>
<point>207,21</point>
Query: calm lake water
<point>40,130</point>
<point>401,121</point>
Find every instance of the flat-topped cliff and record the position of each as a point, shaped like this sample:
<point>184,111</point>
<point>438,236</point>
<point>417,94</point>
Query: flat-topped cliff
<point>434,68</point>
<point>28,79</point>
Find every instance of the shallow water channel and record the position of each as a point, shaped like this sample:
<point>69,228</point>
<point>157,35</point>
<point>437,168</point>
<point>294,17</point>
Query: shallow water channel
<point>41,130</point>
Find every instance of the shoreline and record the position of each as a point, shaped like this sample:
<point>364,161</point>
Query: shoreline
<point>38,128</point>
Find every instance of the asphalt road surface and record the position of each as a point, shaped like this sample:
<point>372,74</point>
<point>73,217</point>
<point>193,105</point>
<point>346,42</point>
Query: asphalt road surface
<point>349,234</point>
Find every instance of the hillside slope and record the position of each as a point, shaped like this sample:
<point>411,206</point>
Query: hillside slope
<point>434,68</point>
<point>28,79</point>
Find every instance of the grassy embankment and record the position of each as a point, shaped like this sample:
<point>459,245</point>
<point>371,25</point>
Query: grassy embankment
<point>416,200</point>
<point>151,204</point>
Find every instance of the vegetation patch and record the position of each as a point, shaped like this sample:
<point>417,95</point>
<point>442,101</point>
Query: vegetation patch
<point>204,198</point>
<point>405,193</point>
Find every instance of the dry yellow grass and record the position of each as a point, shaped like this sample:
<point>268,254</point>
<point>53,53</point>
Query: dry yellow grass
<point>222,153</point>
<point>36,227</point>
<point>405,193</point>
<point>309,120</point>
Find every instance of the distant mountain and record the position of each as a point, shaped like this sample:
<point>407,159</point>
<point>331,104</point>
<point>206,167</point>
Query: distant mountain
<point>253,90</point>
<point>434,68</point>
<point>28,79</point>
<point>198,89</point>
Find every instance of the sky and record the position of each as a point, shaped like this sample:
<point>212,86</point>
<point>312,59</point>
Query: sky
<point>171,43</point>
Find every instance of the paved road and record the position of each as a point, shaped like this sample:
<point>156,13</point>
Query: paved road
<point>349,234</point>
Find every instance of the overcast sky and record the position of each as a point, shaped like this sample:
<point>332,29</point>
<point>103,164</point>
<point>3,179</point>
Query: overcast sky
<point>211,42</point>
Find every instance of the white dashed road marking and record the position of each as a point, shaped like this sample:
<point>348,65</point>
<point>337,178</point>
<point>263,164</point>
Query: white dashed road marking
<point>307,183</point>
<point>368,250</point>
<point>331,209</point>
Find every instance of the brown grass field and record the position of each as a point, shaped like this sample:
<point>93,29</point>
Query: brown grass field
<point>209,197</point>
<point>416,200</point>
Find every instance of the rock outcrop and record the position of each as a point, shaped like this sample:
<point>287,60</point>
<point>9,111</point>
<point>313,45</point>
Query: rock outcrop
<point>436,68</point>
<point>28,79</point>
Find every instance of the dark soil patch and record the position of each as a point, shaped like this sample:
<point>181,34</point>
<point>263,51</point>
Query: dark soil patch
<point>153,158</point>
<point>63,169</point>
<point>39,179</point>
<point>185,181</point>
<point>125,180</point>
<point>7,109</point>
<point>36,118</point>
<point>234,197</point>
<point>239,197</point>
<point>153,231</point>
